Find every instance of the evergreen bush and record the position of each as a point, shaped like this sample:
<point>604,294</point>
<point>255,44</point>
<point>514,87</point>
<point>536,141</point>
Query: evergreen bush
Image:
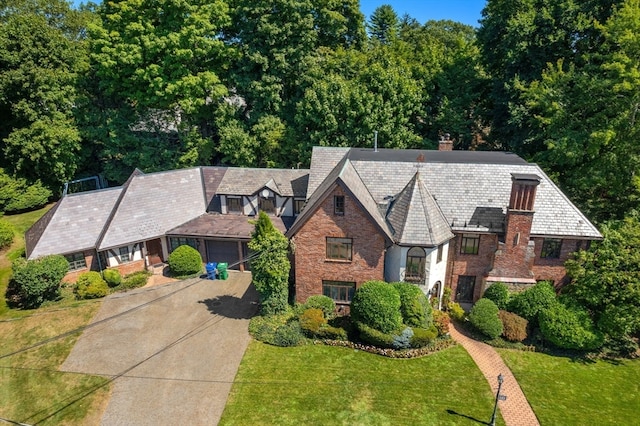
<point>441,321</point>
<point>311,321</point>
<point>17,195</point>
<point>484,317</point>
<point>90,285</point>
<point>569,327</point>
<point>184,261</point>
<point>422,337</point>
<point>326,304</point>
<point>374,337</point>
<point>6,234</point>
<point>112,277</point>
<point>498,293</point>
<point>36,281</point>
<point>332,333</point>
<point>532,301</point>
<point>456,312</point>
<point>377,304</point>
<point>289,334</point>
<point>415,308</point>
<point>403,340</point>
<point>514,326</point>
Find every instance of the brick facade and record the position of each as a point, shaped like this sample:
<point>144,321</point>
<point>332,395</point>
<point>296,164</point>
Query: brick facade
<point>477,265</point>
<point>130,267</point>
<point>553,269</point>
<point>311,263</point>
<point>92,265</point>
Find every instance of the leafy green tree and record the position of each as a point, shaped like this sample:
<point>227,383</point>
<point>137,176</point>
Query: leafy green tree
<point>270,269</point>
<point>16,194</point>
<point>383,25</point>
<point>37,281</point>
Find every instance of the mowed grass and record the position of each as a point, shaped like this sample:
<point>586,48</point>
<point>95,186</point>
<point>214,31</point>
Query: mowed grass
<point>32,389</point>
<point>563,391</point>
<point>323,385</point>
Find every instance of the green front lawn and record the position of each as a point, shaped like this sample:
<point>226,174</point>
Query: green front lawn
<point>563,391</point>
<point>323,385</point>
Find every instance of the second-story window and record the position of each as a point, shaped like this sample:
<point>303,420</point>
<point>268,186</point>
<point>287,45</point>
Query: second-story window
<point>338,205</point>
<point>470,244</point>
<point>234,205</point>
<point>551,248</point>
<point>339,248</point>
<point>267,205</point>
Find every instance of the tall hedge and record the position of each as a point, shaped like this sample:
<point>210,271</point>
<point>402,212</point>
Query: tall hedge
<point>415,308</point>
<point>377,304</point>
<point>185,260</point>
<point>484,317</point>
<point>37,281</point>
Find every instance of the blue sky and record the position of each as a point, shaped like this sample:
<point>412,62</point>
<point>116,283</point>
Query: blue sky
<point>465,11</point>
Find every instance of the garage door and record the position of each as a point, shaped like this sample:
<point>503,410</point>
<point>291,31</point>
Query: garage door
<point>223,251</point>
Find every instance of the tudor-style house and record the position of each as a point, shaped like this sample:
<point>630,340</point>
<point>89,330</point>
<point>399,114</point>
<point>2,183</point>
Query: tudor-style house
<point>461,219</point>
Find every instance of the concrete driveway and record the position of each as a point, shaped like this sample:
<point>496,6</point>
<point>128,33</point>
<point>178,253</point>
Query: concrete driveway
<point>173,350</point>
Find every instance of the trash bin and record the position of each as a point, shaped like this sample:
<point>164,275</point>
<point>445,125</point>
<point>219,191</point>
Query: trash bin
<point>223,274</point>
<point>211,270</point>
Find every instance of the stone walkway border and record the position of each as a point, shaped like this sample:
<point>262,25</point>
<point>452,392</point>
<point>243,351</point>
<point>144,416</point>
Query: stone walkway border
<point>516,410</point>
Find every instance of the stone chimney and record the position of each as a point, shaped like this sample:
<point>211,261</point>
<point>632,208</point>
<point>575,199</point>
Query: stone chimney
<point>445,144</point>
<point>513,260</point>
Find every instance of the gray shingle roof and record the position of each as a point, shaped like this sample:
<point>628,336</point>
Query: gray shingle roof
<point>416,218</point>
<point>247,181</point>
<point>473,196</point>
<point>323,161</point>
<point>76,223</point>
<point>154,203</point>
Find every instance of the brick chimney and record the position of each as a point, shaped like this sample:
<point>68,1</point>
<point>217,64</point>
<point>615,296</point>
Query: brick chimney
<point>445,144</point>
<point>513,260</point>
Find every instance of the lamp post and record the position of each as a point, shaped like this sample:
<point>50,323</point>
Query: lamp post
<point>498,397</point>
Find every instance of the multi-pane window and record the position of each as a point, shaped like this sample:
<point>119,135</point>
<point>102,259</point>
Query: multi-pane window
<point>416,258</point>
<point>339,248</point>
<point>338,205</point>
<point>551,248</point>
<point>470,244</point>
<point>175,242</point>
<point>440,250</point>
<point>125,254</point>
<point>234,205</point>
<point>76,261</point>
<point>298,204</point>
<point>267,205</point>
<point>465,289</point>
<point>339,291</point>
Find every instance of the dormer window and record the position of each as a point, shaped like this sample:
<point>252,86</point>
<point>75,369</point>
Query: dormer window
<point>338,205</point>
<point>234,205</point>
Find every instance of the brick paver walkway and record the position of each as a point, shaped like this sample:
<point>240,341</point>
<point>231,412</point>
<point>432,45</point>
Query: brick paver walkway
<point>516,410</point>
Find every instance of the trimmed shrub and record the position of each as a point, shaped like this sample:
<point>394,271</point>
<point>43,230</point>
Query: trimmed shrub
<point>289,334</point>
<point>514,326</point>
<point>377,304</point>
<point>532,301</point>
<point>326,304</point>
<point>569,327</point>
<point>456,312</point>
<point>414,305</point>
<point>112,277</point>
<point>6,234</point>
<point>423,337</point>
<point>263,328</point>
<point>16,194</point>
<point>135,280</point>
<point>90,285</point>
<point>311,321</point>
<point>185,260</point>
<point>498,293</point>
<point>37,281</point>
<point>403,340</point>
<point>484,317</point>
<point>332,333</point>
<point>441,321</point>
<point>374,337</point>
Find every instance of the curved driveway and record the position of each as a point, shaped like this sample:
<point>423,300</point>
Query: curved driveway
<point>173,350</point>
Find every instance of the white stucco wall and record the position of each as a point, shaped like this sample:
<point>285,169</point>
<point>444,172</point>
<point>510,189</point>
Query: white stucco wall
<point>396,263</point>
<point>113,255</point>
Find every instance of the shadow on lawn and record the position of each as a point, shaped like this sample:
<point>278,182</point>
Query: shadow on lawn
<point>455,413</point>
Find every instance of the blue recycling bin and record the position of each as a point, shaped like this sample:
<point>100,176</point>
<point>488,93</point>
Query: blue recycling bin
<point>211,270</point>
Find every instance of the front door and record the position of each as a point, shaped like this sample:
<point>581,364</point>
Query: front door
<point>154,251</point>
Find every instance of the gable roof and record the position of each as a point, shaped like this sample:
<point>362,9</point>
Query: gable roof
<point>75,223</point>
<point>248,181</point>
<point>343,174</point>
<point>154,203</point>
<point>471,188</point>
<point>416,218</point>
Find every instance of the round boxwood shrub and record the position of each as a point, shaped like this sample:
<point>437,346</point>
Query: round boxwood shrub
<point>414,305</point>
<point>484,317</point>
<point>112,277</point>
<point>569,327</point>
<point>514,326</point>
<point>6,234</point>
<point>532,301</point>
<point>498,293</point>
<point>185,260</point>
<point>36,281</point>
<point>90,285</point>
<point>324,303</point>
<point>377,304</point>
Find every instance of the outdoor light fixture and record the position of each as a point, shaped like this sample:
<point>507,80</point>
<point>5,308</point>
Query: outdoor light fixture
<point>498,398</point>
<point>265,193</point>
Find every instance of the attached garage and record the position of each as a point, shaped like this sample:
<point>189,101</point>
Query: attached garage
<point>231,252</point>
